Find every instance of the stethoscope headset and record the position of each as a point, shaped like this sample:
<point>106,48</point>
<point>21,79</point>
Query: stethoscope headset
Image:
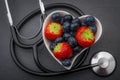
<point>104,66</point>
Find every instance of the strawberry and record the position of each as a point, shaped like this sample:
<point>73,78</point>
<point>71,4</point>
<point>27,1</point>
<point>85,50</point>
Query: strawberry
<point>85,36</point>
<point>53,30</point>
<point>62,50</point>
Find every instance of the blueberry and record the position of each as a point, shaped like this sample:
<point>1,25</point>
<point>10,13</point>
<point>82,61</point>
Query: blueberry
<point>77,49</point>
<point>83,24</point>
<point>56,17</point>
<point>66,36</point>
<point>94,28</point>
<point>72,41</point>
<point>89,20</point>
<point>52,45</point>
<point>66,62</point>
<point>72,33</point>
<point>74,26</point>
<point>62,21</point>
<point>67,18</point>
<point>59,39</point>
<point>76,20</point>
<point>66,27</point>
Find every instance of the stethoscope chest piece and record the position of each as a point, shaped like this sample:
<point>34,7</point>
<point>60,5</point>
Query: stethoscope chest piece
<point>106,63</point>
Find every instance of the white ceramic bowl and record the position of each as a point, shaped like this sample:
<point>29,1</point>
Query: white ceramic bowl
<point>48,42</point>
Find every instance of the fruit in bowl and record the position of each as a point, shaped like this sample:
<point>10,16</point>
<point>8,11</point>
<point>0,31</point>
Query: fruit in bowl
<point>85,36</point>
<point>62,50</point>
<point>66,36</point>
<point>53,30</point>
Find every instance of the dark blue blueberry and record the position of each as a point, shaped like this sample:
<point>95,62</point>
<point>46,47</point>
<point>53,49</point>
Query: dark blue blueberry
<point>59,39</point>
<point>66,62</point>
<point>66,36</point>
<point>67,18</point>
<point>74,26</point>
<point>62,21</point>
<point>94,28</point>
<point>66,27</point>
<point>76,20</point>
<point>56,17</point>
<point>77,49</point>
<point>72,41</point>
<point>83,24</point>
<point>89,20</point>
<point>72,33</point>
<point>52,45</point>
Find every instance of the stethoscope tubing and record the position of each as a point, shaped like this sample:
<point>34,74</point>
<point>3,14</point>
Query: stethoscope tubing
<point>15,40</point>
<point>44,74</point>
<point>14,29</point>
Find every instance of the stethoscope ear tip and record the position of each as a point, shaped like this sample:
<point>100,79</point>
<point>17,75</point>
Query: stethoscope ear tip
<point>106,63</point>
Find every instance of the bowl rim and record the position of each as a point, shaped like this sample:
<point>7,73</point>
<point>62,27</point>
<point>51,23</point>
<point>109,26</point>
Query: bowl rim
<point>75,57</point>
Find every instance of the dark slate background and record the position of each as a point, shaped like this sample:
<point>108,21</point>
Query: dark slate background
<point>108,11</point>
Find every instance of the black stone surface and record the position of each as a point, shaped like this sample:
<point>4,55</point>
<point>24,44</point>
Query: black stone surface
<point>107,11</point>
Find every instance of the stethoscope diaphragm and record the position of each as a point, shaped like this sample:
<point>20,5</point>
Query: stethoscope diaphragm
<point>106,63</point>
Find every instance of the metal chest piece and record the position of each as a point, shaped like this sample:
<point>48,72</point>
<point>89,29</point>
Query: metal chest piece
<point>106,63</point>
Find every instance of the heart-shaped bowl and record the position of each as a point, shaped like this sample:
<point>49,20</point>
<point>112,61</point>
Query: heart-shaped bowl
<point>48,42</point>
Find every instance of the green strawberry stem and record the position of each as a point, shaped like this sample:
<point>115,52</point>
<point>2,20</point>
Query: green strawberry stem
<point>55,27</point>
<point>58,47</point>
<point>88,34</point>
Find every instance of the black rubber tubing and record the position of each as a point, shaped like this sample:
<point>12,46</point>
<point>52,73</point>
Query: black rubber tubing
<point>14,28</point>
<point>15,40</point>
<point>44,74</point>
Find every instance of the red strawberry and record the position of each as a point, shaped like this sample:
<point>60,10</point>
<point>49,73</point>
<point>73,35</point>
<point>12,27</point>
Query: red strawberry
<point>53,31</point>
<point>85,36</point>
<point>62,50</point>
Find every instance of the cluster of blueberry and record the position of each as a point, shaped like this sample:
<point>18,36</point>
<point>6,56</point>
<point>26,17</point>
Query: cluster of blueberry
<point>70,26</point>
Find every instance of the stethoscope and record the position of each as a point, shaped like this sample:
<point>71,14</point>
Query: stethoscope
<point>102,63</point>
